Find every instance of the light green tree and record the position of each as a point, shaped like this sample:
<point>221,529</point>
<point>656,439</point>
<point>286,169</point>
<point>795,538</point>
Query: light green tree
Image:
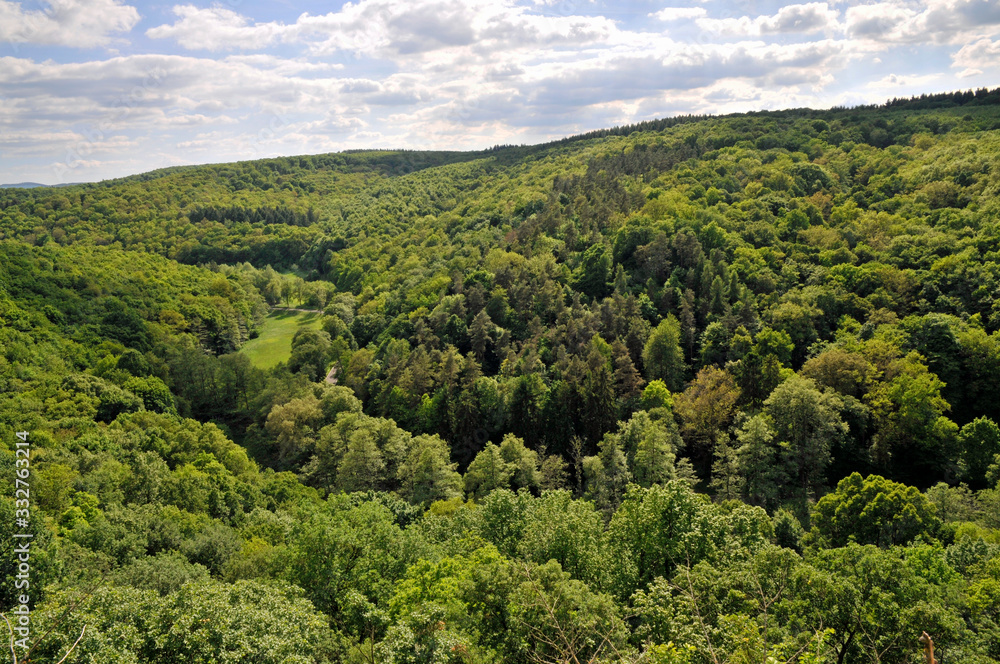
<point>427,474</point>
<point>662,356</point>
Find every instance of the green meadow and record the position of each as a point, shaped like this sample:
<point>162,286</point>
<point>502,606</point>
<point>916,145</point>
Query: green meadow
<point>274,345</point>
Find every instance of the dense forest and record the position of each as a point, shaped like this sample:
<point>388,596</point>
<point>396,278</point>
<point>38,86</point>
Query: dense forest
<point>704,390</point>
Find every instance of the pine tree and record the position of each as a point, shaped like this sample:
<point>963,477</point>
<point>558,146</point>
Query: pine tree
<point>662,356</point>
<point>727,476</point>
<point>488,471</point>
<point>654,459</point>
<point>628,382</point>
<point>480,335</point>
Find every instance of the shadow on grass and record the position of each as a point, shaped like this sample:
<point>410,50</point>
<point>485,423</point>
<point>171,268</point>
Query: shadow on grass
<point>284,314</point>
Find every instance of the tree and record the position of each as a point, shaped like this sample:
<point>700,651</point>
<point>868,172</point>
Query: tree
<point>527,397</point>
<point>871,598</point>
<point>357,452</point>
<point>349,558</point>
<point>597,393</point>
<point>662,356</point>
<point>488,471</point>
<point>706,408</point>
<point>628,382</point>
<point>656,395</point>
<point>293,426</point>
<point>310,352</point>
<point>758,369</point>
<point>914,440</point>
<point>523,462</point>
<point>650,447</point>
<point>480,335</point>
<point>133,362</point>
<point>788,531</point>
<point>431,620</point>
<point>124,324</point>
<point>205,620</point>
<point>427,474</point>
<point>844,371</point>
<point>563,619</point>
<point>114,401</point>
<point>559,528</point>
<point>657,528</point>
<point>654,460</point>
<point>155,395</point>
<point>362,468</point>
<point>607,475</point>
<point>715,342</point>
<point>594,273</point>
<point>806,424</point>
<point>727,473</point>
<point>758,453</point>
<point>979,441</point>
<point>872,510</point>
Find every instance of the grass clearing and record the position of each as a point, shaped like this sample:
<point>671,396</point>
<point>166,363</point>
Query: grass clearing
<point>274,344</point>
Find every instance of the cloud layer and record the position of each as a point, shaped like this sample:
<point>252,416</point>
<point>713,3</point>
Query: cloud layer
<point>74,23</point>
<point>135,87</point>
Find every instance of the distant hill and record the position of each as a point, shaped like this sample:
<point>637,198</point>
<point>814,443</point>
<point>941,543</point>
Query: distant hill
<point>36,185</point>
<point>23,185</point>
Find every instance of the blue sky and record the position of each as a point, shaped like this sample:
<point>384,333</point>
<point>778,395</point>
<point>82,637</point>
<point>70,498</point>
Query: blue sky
<point>92,89</point>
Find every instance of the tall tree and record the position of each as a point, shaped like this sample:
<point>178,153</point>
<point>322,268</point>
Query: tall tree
<point>662,356</point>
<point>762,471</point>
<point>706,408</point>
<point>488,471</point>
<point>427,474</point>
<point>807,425</point>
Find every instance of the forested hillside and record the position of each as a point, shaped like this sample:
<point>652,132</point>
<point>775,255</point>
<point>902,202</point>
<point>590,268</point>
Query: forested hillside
<point>701,390</point>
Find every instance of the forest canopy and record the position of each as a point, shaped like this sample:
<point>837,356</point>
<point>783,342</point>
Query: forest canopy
<point>699,390</point>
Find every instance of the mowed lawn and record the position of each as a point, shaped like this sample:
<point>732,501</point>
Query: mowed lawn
<point>274,344</point>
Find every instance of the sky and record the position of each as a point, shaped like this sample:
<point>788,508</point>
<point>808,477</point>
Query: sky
<point>94,89</point>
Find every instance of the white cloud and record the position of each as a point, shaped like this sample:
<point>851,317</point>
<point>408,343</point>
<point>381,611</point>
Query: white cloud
<point>388,28</point>
<point>679,13</point>
<point>934,21</point>
<point>216,29</point>
<point>467,73</point>
<point>880,21</point>
<point>804,19</point>
<point>72,23</point>
<point>126,91</point>
<point>893,81</point>
<point>975,58</point>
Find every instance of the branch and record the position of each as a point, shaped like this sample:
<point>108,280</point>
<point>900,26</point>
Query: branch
<point>693,599</point>
<point>68,652</point>
<point>13,653</point>
<point>65,614</point>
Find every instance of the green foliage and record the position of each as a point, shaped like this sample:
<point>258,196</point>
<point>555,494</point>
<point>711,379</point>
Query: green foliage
<point>202,621</point>
<point>594,272</point>
<point>426,473</point>
<point>807,425</point>
<point>980,442</point>
<point>872,510</point>
<point>811,295</point>
<point>349,559</point>
<point>488,471</point>
<point>662,354</point>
